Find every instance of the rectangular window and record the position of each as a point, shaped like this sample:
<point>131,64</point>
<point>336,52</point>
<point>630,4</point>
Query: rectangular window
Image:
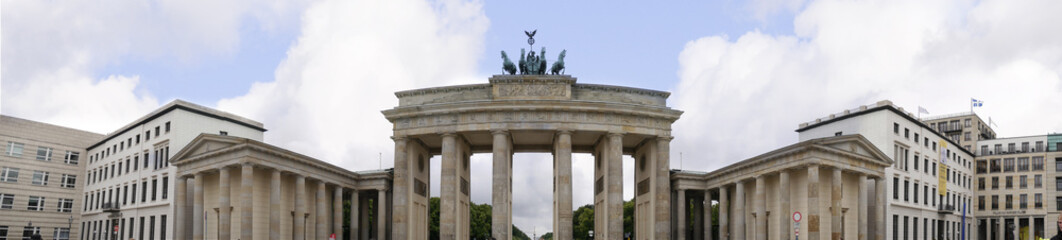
<point>162,223</point>
<point>1023,164</point>
<point>7,201</point>
<point>146,160</point>
<point>916,138</point>
<point>40,178</point>
<point>984,150</point>
<point>907,133</point>
<point>29,231</point>
<point>157,131</point>
<point>151,228</point>
<point>995,165</point>
<point>69,181</point>
<point>916,161</point>
<point>147,136</point>
<point>154,186</point>
<point>995,183</point>
<point>71,157</point>
<point>895,226</point>
<point>995,202</point>
<point>1010,148</point>
<point>143,191</point>
<point>1010,182</point>
<point>925,200</point>
<point>65,204</point>
<point>981,203</point>
<point>165,187</point>
<point>905,191</point>
<point>1023,201</point>
<point>1039,146</point>
<point>35,203</point>
<point>915,192</point>
<point>1023,181</point>
<point>896,188</point>
<point>133,194</point>
<point>14,149</point>
<point>125,194</point>
<point>981,183</point>
<point>167,127</point>
<point>1037,181</point>
<point>1009,203</point>
<point>1039,200</point>
<point>896,128</point>
<point>141,228</point>
<point>905,218</point>
<point>1038,163</point>
<point>8,174</point>
<point>1008,165</point>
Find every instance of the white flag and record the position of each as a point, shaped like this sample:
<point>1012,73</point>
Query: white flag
<point>922,110</point>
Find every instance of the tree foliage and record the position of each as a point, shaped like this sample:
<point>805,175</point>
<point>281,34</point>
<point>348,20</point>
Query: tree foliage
<point>480,222</point>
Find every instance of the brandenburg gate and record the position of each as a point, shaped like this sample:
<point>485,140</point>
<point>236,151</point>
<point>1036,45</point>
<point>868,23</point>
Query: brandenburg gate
<point>531,113</point>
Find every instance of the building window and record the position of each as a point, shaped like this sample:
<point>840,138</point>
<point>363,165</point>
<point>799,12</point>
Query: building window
<point>1038,181</point>
<point>162,222</point>
<point>1038,163</point>
<point>1010,182</point>
<point>143,191</point>
<point>896,188</point>
<point>1023,201</point>
<point>995,202</point>
<point>147,135</point>
<point>1038,200</point>
<point>907,133</point>
<point>151,228</point>
<point>62,233</point>
<point>1039,146</point>
<point>7,201</point>
<point>157,131</point>
<point>1008,165</point>
<point>995,165</point>
<point>984,150</point>
<point>167,127</point>
<point>981,203</point>
<point>154,187</point>
<point>35,203</point>
<point>14,149</point>
<point>905,191</point>
<point>980,183</point>
<point>8,174</point>
<point>65,204</point>
<point>40,178</point>
<point>916,161</point>
<point>896,128</point>
<point>71,157</point>
<point>966,136</point>
<point>995,183</point>
<point>982,166</point>
<point>916,138</point>
<point>1009,203</point>
<point>1010,148</point>
<point>1023,164</point>
<point>915,192</point>
<point>69,181</point>
<point>165,187</point>
<point>896,225</point>
<point>29,231</point>
<point>1023,182</point>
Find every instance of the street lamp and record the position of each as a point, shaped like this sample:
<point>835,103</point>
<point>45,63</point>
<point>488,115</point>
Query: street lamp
<point>591,234</point>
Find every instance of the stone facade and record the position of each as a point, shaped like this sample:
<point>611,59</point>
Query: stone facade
<point>531,113</point>
<point>251,190</point>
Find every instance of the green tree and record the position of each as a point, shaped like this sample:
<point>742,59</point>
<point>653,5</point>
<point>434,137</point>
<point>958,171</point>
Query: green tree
<point>548,236</point>
<point>520,235</point>
<point>583,222</point>
<point>628,217</point>
<point>480,222</point>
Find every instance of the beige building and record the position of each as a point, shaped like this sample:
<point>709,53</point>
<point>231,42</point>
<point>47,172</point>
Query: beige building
<point>42,176</point>
<point>238,188</point>
<point>966,128</point>
<point>1017,187</point>
<point>837,183</point>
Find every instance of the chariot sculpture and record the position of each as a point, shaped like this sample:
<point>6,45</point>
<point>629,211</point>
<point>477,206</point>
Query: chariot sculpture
<point>529,63</point>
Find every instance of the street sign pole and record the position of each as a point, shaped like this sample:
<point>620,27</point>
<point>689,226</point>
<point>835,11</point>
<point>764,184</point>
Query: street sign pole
<point>796,224</point>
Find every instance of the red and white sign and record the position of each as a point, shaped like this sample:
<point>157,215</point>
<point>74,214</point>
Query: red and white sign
<point>797,216</point>
<point>116,228</point>
<point>332,237</point>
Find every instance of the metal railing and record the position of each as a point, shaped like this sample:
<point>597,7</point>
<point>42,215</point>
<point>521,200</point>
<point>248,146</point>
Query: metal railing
<point>945,208</point>
<point>110,207</point>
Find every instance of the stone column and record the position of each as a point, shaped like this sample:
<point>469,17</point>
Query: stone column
<point>246,204</point>
<point>179,231</point>
<point>835,205</point>
<point>197,209</point>
<point>300,208</point>
<point>364,218</point>
<point>707,215</point>
<point>1001,228</point>
<point>862,211</point>
<point>783,200</point>
<point>501,218</point>
<point>337,212</point>
<point>813,202</point>
<point>683,204</point>
<point>761,208</point>
<point>739,210</point>
<point>662,184</point>
<point>1032,228</point>
<point>381,213</point>
<point>698,217</point>
<point>448,189</point>
<point>562,197</point>
<point>403,188</point>
<point>724,213</point>
<point>321,222</point>
<point>224,205</point>
<point>274,206</point>
<point>879,210</point>
<point>354,217</point>
<point>615,186</point>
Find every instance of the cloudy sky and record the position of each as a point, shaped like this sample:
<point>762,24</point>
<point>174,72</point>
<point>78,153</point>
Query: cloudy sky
<point>317,72</point>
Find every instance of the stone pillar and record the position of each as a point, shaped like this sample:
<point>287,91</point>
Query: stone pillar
<point>180,230</point>
<point>1032,228</point>
<point>707,215</point>
<point>724,214</point>
<point>739,210</point>
<point>1001,228</point>
<point>404,170</point>
<point>300,208</point>
<point>197,209</point>
<point>813,202</point>
<point>501,218</point>
<point>862,211</point>
<point>246,204</point>
<point>761,208</point>
<point>381,213</point>
<point>879,210</point>
<point>354,214</point>
<point>662,187</point>
<point>783,199</point>
<point>698,217</point>
<point>835,205</point>
<point>337,212</point>
<point>614,186</point>
<point>224,205</point>
<point>683,204</point>
<point>274,205</point>
<point>562,175</point>
<point>448,189</point>
<point>321,221</point>
<point>364,218</point>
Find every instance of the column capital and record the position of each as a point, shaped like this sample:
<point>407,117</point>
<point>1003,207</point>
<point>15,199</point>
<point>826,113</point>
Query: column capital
<point>448,134</point>
<point>399,138</point>
<point>665,138</point>
<point>615,134</point>
<point>499,131</point>
<point>247,164</point>
<point>565,131</point>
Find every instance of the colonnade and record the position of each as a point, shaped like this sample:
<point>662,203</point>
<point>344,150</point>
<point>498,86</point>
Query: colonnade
<point>192,224</point>
<point>998,227</point>
<point>736,221</point>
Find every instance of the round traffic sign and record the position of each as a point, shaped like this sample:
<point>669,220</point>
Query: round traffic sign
<point>797,216</point>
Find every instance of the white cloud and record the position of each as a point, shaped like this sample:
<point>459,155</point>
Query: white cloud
<point>745,96</point>
<point>52,51</point>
